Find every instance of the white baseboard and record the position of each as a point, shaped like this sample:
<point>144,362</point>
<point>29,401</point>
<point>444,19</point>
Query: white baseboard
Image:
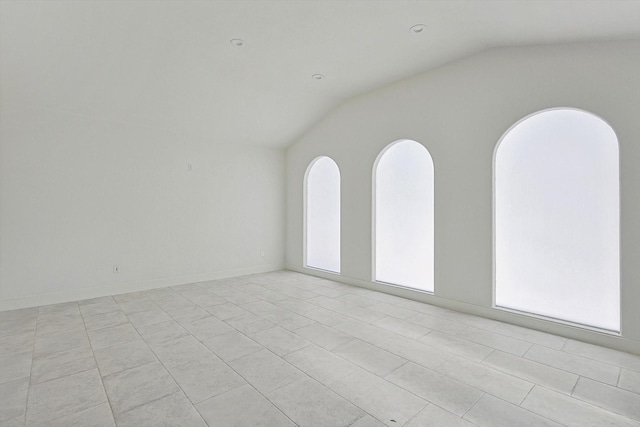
<point>576,332</point>
<point>86,293</point>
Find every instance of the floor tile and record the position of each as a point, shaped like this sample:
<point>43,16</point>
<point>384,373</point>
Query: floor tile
<point>608,397</point>
<point>369,357</point>
<point>56,365</point>
<point>482,377</point>
<point>180,351</point>
<point>364,331</point>
<point>249,323</point>
<point>323,336</point>
<point>13,399</point>
<point>392,310</point>
<point>360,300</point>
<point>433,416</point>
<point>97,416</point>
<point>458,346</point>
<point>21,313</point>
<point>415,351</point>
<point>148,317</point>
<point>450,394</point>
<point>14,422</point>
<point>240,298</point>
<point>534,372</point>
<point>476,322</point>
<point>124,356</point>
<point>496,341</point>
<point>367,421</point>
<point>402,327</point>
<point>387,402</point>
<point>360,313</point>
<point>136,306</point>
<point>288,320</point>
<point>64,396</point>
<point>206,299</point>
<point>242,407</point>
<point>437,324</point>
<point>137,386</point>
<point>205,378</point>
<point>161,332</point>
<point>493,412</point>
<point>203,335</point>
<point>189,314</point>
<point>320,364</point>
<point>17,326</point>
<point>64,341</point>
<point>99,308</point>
<point>20,343</point>
<point>605,355</point>
<point>571,412</point>
<point>106,320</point>
<point>121,334</point>
<point>310,404</point>
<point>575,364</point>
<point>15,366</point>
<point>54,324</point>
<point>63,308</point>
<point>227,311</point>
<point>328,303</point>
<point>232,346</point>
<point>131,296</point>
<point>279,340</point>
<point>530,335</point>
<point>97,300</point>
<point>266,371</point>
<point>629,380</point>
<point>174,410</point>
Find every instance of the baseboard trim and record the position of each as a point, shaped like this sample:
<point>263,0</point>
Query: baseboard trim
<point>86,293</point>
<point>616,342</point>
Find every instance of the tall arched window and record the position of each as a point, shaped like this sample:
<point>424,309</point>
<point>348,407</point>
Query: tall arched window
<point>557,218</point>
<point>322,215</point>
<point>403,216</point>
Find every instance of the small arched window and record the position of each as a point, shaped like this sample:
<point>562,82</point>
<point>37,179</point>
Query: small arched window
<point>557,218</point>
<point>322,215</point>
<point>403,216</point>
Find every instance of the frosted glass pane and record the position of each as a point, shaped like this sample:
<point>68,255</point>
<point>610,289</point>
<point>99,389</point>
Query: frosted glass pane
<point>557,219</point>
<point>323,215</point>
<point>404,216</point>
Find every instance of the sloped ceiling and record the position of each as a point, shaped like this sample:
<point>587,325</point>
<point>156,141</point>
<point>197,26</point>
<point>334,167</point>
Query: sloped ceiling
<point>170,64</point>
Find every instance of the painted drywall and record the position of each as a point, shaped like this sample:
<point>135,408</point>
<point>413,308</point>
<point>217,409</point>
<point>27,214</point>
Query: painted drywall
<point>79,196</point>
<point>459,112</point>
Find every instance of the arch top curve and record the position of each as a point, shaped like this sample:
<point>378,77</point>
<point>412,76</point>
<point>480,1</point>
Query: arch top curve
<point>418,149</point>
<point>328,161</point>
<point>559,113</point>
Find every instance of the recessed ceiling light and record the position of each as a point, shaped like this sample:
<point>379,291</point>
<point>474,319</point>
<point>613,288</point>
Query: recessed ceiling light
<point>418,28</point>
<point>237,42</point>
<point>317,76</point>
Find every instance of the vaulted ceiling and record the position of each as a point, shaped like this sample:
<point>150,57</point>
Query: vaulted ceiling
<point>169,64</point>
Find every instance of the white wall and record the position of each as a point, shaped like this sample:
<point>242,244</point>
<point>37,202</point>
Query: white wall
<point>78,196</point>
<point>459,112</point>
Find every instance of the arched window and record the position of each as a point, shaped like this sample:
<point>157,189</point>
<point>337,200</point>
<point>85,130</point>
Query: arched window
<point>403,216</point>
<point>322,215</point>
<point>557,218</point>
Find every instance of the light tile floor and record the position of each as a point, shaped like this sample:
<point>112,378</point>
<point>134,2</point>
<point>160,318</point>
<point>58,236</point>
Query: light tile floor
<point>286,349</point>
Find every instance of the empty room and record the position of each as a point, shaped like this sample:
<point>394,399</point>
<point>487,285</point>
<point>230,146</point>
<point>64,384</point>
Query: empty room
<point>319,213</point>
